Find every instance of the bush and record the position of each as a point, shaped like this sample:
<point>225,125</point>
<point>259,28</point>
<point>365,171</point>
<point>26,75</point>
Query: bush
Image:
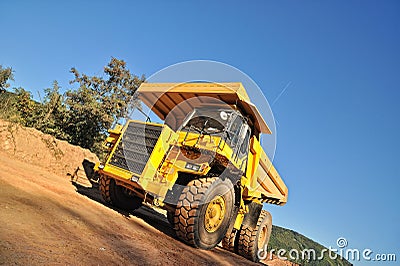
<point>81,116</point>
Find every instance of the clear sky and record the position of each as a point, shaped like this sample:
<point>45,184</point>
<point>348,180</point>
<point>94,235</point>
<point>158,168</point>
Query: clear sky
<point>338,133</point>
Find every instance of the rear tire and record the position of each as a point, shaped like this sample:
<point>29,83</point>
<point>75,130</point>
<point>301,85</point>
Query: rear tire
<point>251,240</point>
<point>204,212</point>
<point>118,196</point>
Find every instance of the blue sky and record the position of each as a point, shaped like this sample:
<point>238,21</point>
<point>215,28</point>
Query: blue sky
<point>338,129</point>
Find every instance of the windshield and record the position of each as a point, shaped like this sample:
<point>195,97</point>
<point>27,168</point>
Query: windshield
<point>207,120</point>
<point>225,123</point>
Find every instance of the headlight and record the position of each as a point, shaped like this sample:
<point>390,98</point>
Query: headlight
<point>191,166</point>
<point>109,144</point>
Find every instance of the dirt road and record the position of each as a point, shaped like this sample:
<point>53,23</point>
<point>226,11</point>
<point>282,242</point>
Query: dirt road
<point>45,219</point>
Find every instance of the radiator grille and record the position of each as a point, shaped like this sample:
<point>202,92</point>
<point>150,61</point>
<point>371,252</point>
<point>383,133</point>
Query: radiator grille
<point>136,146</point>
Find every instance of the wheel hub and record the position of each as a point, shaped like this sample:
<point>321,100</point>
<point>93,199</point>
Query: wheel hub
<point>215,214</point>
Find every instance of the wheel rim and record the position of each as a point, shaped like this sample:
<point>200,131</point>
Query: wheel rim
<point>262,237</point>
<point>215,214</point>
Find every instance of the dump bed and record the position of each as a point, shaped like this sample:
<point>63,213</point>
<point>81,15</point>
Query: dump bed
<point>265,179</point>
<point>180,98</point>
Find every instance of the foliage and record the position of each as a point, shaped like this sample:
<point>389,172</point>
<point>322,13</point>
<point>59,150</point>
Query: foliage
<point>81,116</point>
<point>7,106</point>
<point>98,102</point>
<point>53,113</point>
<point>25,106</point>
<point>6,74</point>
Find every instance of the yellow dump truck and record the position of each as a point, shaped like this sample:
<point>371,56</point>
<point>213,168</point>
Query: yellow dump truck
<point>204,165</point>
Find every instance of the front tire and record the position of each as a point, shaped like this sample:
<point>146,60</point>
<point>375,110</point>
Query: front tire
<point>118,196</point>
<point>204,212</point>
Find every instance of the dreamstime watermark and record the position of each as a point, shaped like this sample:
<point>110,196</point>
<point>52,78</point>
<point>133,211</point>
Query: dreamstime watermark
<point>342,251</point>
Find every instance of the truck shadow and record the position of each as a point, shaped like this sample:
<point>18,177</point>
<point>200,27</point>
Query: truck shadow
<point>155,219</point>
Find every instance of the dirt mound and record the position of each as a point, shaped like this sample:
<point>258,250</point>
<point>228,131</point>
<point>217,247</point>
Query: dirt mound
<point>32,146</point>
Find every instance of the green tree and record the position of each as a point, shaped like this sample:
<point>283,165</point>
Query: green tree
<point>6,74</point>
<point>6,101</point>
<point>25,106</point>
<point>99,101</point>
<point>53,113</point>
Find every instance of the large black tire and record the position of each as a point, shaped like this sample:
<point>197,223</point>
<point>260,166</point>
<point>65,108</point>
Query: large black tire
<point>204,202</point>
<point>251,240</point>
<point>117,196</point>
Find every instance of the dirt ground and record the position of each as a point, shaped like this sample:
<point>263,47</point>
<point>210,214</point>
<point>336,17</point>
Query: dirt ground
<point>47,219</point>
